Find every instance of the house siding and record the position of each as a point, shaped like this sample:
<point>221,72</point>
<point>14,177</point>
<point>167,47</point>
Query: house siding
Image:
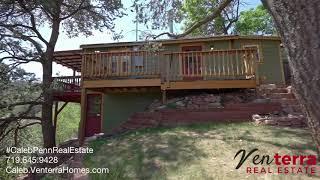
<point>118,107</point>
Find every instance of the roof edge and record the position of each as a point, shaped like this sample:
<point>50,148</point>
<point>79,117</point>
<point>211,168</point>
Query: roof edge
<point>174,41</point>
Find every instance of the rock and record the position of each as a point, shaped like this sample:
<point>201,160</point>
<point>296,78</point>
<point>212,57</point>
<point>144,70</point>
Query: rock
<point>270,122</point>
<point>92,138</point>
<point>174,100</point>
<point>289,89</point>
<point>162,107</point>
<point>213,99</point>
<point>259,119</point>
<point>215,105</point>
<point>180,103</point>
<point>268,86</point>
<point>200,102</point>
<point>256,117</point>
<point>266,100</point>
<point>203,106</point>
<point>292,116</point>
<point>193,106</point>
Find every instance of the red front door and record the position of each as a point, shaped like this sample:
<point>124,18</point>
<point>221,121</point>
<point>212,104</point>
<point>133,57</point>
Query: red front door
<point>93,120</point>
<point>192,63</point>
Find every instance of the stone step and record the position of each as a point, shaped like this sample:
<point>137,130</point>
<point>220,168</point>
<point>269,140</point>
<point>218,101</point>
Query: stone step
<point>282,95</point>
<point>297,123</point>
<point>275,90</point>
<point>285,101</point>
<point>289,119</point>
<point>292,109</point>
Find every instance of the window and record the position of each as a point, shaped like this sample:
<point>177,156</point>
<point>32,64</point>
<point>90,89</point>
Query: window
<point>114,64</point>
<point>119,64</point>
<point>94,105</point>
<point>258,52</point>
<point>138,59</point>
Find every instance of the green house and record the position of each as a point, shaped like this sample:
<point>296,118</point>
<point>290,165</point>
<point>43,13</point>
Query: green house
<point>118,79</point>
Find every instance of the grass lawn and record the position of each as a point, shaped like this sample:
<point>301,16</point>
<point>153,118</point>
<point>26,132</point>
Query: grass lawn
<point>196,152</point>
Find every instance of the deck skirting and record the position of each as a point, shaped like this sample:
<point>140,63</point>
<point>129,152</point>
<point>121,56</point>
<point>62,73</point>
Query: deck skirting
<point>122,83</point>
<point>209,84</point>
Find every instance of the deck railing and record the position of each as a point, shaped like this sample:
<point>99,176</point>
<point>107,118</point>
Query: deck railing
<point>67,83</point>
<point>131,64</point>
<point>205,65</point>
<point>175,66</point>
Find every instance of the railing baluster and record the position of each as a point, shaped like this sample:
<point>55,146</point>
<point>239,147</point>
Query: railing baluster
<point>232,64</point>
<point>83,66</point>
<point>227,64</point>
<point>252,62</point>
<point>203,64</point>
<point>214,64</point>
<point>241,63</point>
<point>237,63</point>
<point>102,65</point>
<point>109,65</point>
<point>219,63</point>
<point>223,63</point>
<point>146,57</point>
<point>192,64</point>
<point>92,65</point>
<point>118,59</point>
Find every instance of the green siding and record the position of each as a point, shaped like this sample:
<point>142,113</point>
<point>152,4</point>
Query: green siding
<point>217,45</point>
<point>270,69</point>
<point>118,107</point>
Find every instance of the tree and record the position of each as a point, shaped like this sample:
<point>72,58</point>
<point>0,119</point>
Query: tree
<point>19,112</point>
<point>298,24</point>
<point>229,20</point>
<point>19,104</point>
<point>157,13</point>
<point>22,40</point>
<point>255,21</point>
<point>195,10</point>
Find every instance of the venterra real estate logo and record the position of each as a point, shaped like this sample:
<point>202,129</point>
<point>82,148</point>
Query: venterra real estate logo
<point>256,163</point>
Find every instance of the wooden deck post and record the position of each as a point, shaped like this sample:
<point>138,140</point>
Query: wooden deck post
<point>74,77</point>
<point>164,96</point>
<point>83,116</point>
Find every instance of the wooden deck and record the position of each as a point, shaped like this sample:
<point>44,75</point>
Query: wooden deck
<point>234,68</point>
<point>67,89</point>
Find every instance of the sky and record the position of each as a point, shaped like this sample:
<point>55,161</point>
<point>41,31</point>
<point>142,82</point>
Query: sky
<point>124,24</point>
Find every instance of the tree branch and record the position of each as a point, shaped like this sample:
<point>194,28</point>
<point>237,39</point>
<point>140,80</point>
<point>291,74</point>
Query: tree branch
<point>34,103</point>
<point>75,11</point>
<point>10,119</point>
<point>27,125</point>
<point>18,35</point>
<point>33,22</point>
<point>196,25</point>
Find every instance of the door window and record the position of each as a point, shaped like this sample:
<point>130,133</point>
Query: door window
<point>94,105</point>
